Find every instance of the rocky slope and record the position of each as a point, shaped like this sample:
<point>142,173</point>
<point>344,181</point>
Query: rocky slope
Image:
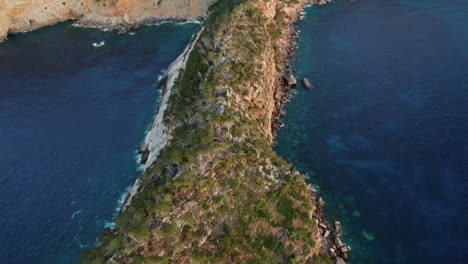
<point>213,190</point>
<point>22,15</point>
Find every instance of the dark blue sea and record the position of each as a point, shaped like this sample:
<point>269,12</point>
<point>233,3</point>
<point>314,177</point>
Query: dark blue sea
<point>384,130</point>
<point>71,119</point>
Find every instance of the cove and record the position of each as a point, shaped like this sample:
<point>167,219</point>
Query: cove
<point>71,119</point>
<point>384,130</point>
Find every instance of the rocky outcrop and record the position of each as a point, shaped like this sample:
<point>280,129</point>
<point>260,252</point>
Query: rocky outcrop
<point>23,15</point>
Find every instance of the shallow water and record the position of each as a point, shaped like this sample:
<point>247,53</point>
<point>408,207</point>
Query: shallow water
<point>384,130</point>
<point>71,118</point>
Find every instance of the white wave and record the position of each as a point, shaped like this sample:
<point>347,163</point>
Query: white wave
<point>76,212</point>
<point>120,203</point>
<point>110,225</point>
<point>140,167</point>
<point>121,200</point>
<point>314,189</point>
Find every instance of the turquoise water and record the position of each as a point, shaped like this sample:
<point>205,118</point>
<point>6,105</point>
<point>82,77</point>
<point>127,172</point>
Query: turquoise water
<point>71,118</point>
<point>384,130</point>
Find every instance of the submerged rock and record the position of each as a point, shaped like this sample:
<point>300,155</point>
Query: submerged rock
<point>356,214</point>
<point>368,236</point>
<point>306,83</point>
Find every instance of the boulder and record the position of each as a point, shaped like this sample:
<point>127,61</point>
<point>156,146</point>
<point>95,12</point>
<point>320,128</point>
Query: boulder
<point>306,83</point>
<point>337,224</point>
<point>339,243</point>
<point>326,233</point>
<point>345,249</point>
<point>289,79</point>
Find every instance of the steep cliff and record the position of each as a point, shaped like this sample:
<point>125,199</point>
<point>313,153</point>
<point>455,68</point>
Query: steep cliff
<point>22,15</point>
<point>214,191</point>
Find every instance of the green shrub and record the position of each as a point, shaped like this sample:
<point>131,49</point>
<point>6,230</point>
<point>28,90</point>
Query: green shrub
<point>286,208</point>
<point>262,209</point>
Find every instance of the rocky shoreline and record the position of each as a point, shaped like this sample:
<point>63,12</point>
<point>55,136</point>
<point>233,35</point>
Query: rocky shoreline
<point>287,80</point>
<point>330,233</point>
<point>158,135</point>
<point>122,25</point>
<point>284,81</point>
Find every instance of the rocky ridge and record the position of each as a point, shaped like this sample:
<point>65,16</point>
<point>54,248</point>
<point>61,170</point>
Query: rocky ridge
<point>213,191</point>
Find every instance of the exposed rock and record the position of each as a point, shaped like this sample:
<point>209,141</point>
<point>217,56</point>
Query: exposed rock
<point>339,243</point>
<point>144,156</point>
<point>340,261</point>
<point>289,79</point>
<point>306,83</point>
<point>321,203</point>
<point>345,249</point>
<point>337,225</point>
<point>326,233</point>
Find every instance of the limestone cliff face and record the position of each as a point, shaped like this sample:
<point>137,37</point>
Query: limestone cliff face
<point>22,15</point>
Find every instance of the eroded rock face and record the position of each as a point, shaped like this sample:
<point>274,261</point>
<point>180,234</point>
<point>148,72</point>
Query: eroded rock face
<point>22,15</point>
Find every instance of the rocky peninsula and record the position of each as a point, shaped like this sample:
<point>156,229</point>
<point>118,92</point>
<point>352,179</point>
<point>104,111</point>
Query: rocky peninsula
<point>213,191</point>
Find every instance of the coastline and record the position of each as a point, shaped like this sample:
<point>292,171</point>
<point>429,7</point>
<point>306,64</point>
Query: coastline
<point>331,232</point>
<point>115,23</point>
<point>158,135</point>
<point>122,25</point>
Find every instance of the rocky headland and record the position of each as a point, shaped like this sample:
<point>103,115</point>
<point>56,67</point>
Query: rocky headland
<point>213,190</point>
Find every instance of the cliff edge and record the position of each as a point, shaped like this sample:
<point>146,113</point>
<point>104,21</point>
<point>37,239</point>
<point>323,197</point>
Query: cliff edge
<point>23,15</point>
<point>213,190</point>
